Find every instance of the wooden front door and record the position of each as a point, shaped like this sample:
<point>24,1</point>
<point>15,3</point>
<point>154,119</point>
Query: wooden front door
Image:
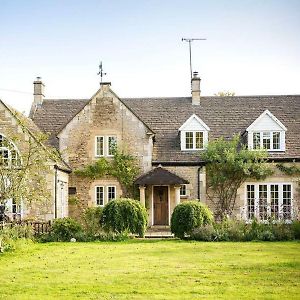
<point>161,208</point>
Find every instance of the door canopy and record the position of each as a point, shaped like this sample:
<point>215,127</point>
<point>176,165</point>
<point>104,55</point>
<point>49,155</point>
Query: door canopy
<point>160,176</point>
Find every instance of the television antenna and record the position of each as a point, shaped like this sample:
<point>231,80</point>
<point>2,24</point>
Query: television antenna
<point>101,72</point>
<point>190,49</point>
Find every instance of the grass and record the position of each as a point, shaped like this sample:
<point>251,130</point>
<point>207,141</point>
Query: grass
<point>152,270</point>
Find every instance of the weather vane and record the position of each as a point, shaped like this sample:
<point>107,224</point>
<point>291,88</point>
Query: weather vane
<point>101,73</point>
<point>190,47</point>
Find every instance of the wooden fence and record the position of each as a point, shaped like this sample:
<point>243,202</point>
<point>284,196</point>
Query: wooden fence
<point>38,227</point>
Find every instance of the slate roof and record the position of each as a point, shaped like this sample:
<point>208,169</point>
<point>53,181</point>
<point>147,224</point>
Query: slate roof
<point>224,115</point>
<point>160,176</point>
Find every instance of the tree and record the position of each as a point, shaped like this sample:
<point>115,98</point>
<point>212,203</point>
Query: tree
<point>225,94</point>
<point>228,165</point>
<point>23,171</point>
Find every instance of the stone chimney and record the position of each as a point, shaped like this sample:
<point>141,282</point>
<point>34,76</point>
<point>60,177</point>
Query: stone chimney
<point>196,89</point>
<point>38,95</point>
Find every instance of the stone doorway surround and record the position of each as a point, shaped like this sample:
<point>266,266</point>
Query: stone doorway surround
<point>155,178</point>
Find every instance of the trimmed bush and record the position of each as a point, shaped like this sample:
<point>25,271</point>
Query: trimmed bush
<point>65,229</point>
<point>188,216</point>
<point>123,215</point>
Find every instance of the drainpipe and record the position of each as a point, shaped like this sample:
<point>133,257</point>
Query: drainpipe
<point>198,181</point>
<point>55,192</point>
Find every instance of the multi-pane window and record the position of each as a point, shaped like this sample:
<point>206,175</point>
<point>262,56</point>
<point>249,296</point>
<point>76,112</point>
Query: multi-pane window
<point>104,194</point>
<point>9,155</point>
<point>99,145</point>
<point>262,201</point>
<point>100,195</point>
<point>194,140</point>
<point>199,139</point>
<point>111,193</point>
<point>183,190</point>
<point>276,140</point>
<point>286,201</point>
<point>269,140</point>
<point>189,143</point>
<point>274,201</point>
<point>250,201</point>
<point>5,157</point>
<point>111,145</point>
<point>256,140</point>
<point>266,140</point>
<point>105,145</point>
<point>266,201</point>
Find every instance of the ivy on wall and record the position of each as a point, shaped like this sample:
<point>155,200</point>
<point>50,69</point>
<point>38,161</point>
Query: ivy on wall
<point>292,170</point>
<point>123,167</point>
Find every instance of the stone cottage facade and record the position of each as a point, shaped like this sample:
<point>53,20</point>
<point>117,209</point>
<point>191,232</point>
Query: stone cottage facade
<point>167,136</point>
<point>15,132</point>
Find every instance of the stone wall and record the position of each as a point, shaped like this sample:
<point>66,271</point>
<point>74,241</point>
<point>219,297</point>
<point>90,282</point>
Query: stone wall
<point>104,115</point>
<point>12,130</point>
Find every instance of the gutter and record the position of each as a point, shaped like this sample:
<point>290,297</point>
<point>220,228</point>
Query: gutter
<point>178,163</point>
<point>198,181</point>
<point>55,191</point>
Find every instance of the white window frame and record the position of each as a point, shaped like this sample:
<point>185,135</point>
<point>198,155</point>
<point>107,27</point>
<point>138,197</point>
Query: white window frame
<point>96,146</point>
<point>107,144</point>
<point>183,140</point>
<point>261,133</point>
<point>183,195</point>
<point>107,192</point>
<point>256,200</point>
<point>103,192</point>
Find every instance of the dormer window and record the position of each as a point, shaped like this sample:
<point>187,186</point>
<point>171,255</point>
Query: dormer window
<point>193,134</point>
<point>266,132</point>
<point>270,140</point>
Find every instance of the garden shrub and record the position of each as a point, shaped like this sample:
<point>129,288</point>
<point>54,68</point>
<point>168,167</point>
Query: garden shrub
<point>188,216</point>
<point>11,237</point>
<point>203,233</point>
<point>91,221</point>
<point>296,229</point>
<point>64,229</point>
<point>123,215</point>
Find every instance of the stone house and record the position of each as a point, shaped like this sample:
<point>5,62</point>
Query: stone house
<point>167,136</point>
<point>17,132</point>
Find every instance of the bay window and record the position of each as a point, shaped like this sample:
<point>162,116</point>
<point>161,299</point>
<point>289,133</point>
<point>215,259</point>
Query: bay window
<point>269,200</point>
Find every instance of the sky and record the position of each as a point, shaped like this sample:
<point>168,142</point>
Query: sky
<point>252,47</point>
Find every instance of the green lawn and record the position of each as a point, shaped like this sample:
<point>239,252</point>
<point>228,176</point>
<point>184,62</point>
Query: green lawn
<point>152,270</point>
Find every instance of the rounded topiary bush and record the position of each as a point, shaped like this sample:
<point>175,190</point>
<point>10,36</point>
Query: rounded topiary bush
<point>188,216</point>
<point>64,229</point>
<point>122,215</point>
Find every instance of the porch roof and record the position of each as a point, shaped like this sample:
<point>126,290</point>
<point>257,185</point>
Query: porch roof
<point>160,176</point>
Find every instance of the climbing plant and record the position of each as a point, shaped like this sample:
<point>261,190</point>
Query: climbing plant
<point>122,166</point>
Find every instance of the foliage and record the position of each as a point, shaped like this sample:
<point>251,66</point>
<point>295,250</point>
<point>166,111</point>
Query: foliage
<point>23,168</point>
<point>64,229</point>
<point>239,231</point>
<point>296,229</point>
<point>189,215</point>
<point>10,236</point>
<point>228,165</point>
<point>289,170</point>
<point>122,166</point>
<point>225,94</point>
<point>123,215</point>
<point>203,233</point>
<point>91,221</point>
